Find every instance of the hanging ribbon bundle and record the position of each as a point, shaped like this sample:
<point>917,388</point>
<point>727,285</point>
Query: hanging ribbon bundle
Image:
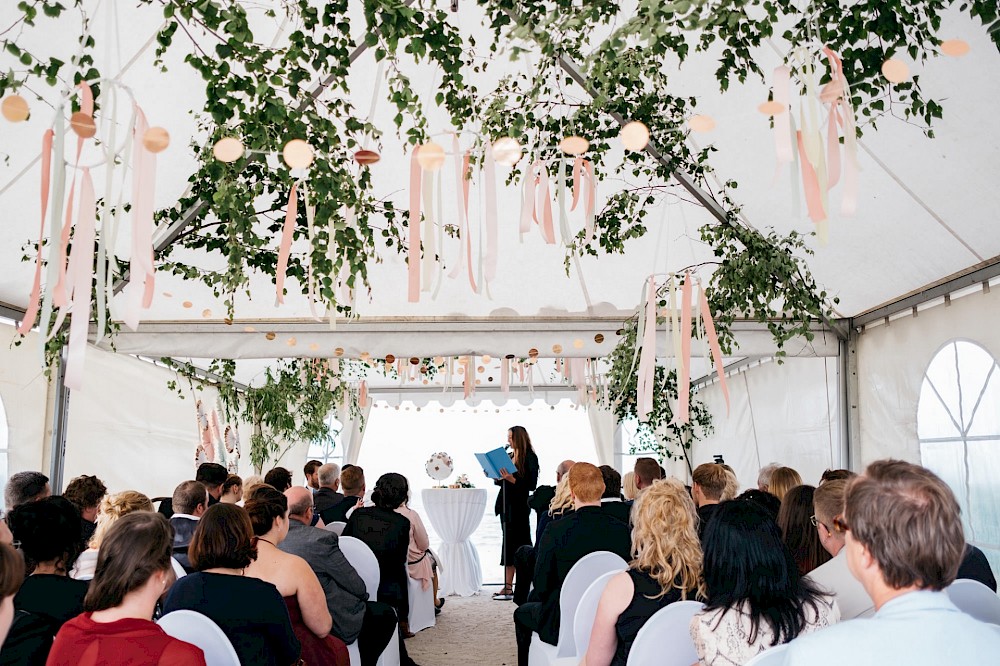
<point>583,172</point>
<point>285,248</point>
<point>837,94</point>
<point>536,203</point>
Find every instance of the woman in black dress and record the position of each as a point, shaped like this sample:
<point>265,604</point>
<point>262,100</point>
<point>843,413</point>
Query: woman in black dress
<point>512,504</point>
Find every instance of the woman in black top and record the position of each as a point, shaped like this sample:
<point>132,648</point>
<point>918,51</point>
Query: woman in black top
<point>666,567</point>
<point>512,504</point>
<point>49,532</point>
<point>250,611</point>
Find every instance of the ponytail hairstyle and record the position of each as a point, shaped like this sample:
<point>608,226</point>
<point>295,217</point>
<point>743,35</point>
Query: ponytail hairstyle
<point>264,506</point>
<point>113,508</point>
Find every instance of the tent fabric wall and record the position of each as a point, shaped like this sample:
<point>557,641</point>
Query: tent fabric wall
<point>603,424</point>
<point>893,358</point>
<point>24,391</point>
<point>783,413</point>
<point>352,434</point>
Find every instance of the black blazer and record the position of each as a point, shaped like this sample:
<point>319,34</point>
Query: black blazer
<point>338,512</point>
<point>564,542</point>
<point>324,498</point>
<point>512,500</point>
<point>619,510</point>
<point>387,533</point>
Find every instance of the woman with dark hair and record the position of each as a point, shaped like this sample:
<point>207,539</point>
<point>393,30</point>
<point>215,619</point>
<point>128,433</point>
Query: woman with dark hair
<point>512,504</point>
<point>387,533</point>
<point>133,570</point>
<point>232,490</point>
<point>50,535</point>
<point>250,611</point>
<point>747,611</point>
<point>799,532</point>
<point>294,578</point>
<point>11,577</point>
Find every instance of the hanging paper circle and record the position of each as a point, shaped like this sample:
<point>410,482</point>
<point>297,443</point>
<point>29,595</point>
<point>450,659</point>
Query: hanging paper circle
<point>487,358</point>
<point>15,108</point>
<point>414,360</point>
<point>831,92</point>
<point>533,353</point>
<point>430,156</point>
<point>339,351</point>
<point>156,139</point>
<point>270,335</point>
<point>297,154</point>
<point>390,359</point>
<point>440,466</point>
<point>557,349</point>
<point>896,71</point>
<point>366,157</point>
<point>506,151</point>
<point>578,343</point>
<point>635,135</point>
<point>772,108</point>
<point>700,123</point>
<point>574,145</point>
<point>228,150</point>
<point>954,47</point>
<point>439,360</point>
<point>83,124</point>
<point>599,338</point>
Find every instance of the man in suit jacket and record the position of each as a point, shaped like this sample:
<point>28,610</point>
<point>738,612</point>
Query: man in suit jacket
<point>329,484</point>
<point>371,623</point>
<point>611,500</point>
<point>210,475</point>
<point>190,501</point>
<point>565,541</point>
<point>352,482</point>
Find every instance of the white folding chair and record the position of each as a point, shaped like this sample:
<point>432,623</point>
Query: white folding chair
<point>361,557</point>
<point>421,614</point>
<point>770,657</point>
<point>579,578</point>
<point>975,599</point>
<point>669,627</point>
<point>583,622</point>
<point>200,631</point>
<point>337,527</point>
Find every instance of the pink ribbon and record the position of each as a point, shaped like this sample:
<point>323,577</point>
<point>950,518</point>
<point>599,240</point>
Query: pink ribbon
<point>142,272</point>
<point>413,247</point>
<point>684,363</point>
<point>810,184</point>
<point>466,182</point>
<point>713,345</point>
<point>842,112</point>
<point>363,394</point>
<point>489,168</point>
<point>505,377</point>
<point>647,358</point>
<point>81,271</point>
<point>782,121</point>
<point>36,287</point>
<point>287,231</point>
<point>583,171</point>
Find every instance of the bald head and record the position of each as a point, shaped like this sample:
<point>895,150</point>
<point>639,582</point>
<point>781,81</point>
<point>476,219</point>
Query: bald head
<point>300,502</point>
<point>562,469</point>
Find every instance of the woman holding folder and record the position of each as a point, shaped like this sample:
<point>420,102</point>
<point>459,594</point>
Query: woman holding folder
<point>512,504</point>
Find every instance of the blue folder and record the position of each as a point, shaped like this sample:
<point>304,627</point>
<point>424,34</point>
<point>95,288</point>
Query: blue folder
<point>494,461</point>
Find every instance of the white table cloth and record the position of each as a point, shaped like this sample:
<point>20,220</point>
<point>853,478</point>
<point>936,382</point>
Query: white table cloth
<point>455,514</point>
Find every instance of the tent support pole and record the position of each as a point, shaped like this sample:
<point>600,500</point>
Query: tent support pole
<point>60,421</point>
<point>618,447</point>
<point>850,425</point>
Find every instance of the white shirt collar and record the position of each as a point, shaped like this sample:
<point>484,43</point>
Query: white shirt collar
<point>187,516</point>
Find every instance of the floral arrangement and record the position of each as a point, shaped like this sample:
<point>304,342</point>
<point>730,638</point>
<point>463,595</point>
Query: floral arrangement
<point>462,482</point>
<point>439,466</point>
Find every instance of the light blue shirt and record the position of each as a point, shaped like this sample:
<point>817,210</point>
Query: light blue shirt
<point>916,629</point>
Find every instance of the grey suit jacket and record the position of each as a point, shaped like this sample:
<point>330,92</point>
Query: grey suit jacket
<point>345,591</point>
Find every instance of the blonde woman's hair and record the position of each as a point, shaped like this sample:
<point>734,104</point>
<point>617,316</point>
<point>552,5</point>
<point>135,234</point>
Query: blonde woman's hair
<point>732,488</point>
<point>250,483</point>
<point>629,489</point>
<point>114,507</point>
<point>563,500</point>
<point>665,542</point>
<point>782,480</point>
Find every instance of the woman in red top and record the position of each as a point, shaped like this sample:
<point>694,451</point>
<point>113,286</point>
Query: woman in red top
<point>133,570</point>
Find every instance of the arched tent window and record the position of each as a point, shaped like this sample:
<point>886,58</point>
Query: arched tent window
<point>3,453</point>
<point>958,425</point>
<point>330,449</point>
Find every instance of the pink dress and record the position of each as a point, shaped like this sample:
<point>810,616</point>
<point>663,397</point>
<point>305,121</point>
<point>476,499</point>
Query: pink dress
<point>418,560</point>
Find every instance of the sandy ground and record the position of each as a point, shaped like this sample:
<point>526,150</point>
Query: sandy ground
<point>470,630</point>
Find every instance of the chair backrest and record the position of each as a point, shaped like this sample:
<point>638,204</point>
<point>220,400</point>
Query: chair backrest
<point>337,527</point>
<point>770,657</point>
<point>586,611</point>
<point>669,626</point>
<point>364,562</point>
<point>579,578</point>
<point>975,599</point>
<point>199,630</point>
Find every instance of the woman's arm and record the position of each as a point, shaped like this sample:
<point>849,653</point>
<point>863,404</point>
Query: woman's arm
<point>312,600</point>
<point>603,639</point>
<point>420,538</point>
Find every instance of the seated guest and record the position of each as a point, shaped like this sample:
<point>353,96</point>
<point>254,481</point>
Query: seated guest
<point>210,475</point>
<point>352,482</point>
<point>746,610</point>
<point>232,490</point>
<point>11,577</point>
<point>312,478</point>
<point>783,479</point>
<point>296,582</point>
<point>249,485</point>
<point>279,478</point>
<point>836,475</point>
<point>355,618</point>
<point>327,495</point>
<point>541,499</point>
<point>666,567</point>
<point>764,499</point>
<point>25,487</point>
<point>250,611</point>
<point>86,493</point>
<point>976,567</point>
<point>420,564</point>
<point>904,542</point>
<point>732,488</point>
<point>646,470</point>
<point>587,530</point>
<point>764,477</point>
<point>133,570</point>
<point>611,500</point>
<point>49,532</point>
<point>525,558</point>
<point>835,575</point>
<point>708,483</point>
<point>190,501</point>
<point>387,533</point>
<point>798,531</point>
<point>629,489</point>
<point>112,508</point>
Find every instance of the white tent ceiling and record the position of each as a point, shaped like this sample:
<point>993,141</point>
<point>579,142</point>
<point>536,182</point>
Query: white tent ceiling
<point>927,210</point>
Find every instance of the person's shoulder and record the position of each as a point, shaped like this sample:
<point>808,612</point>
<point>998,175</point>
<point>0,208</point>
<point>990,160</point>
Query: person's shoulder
<point>816,647</point>
<point>180,653</point>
